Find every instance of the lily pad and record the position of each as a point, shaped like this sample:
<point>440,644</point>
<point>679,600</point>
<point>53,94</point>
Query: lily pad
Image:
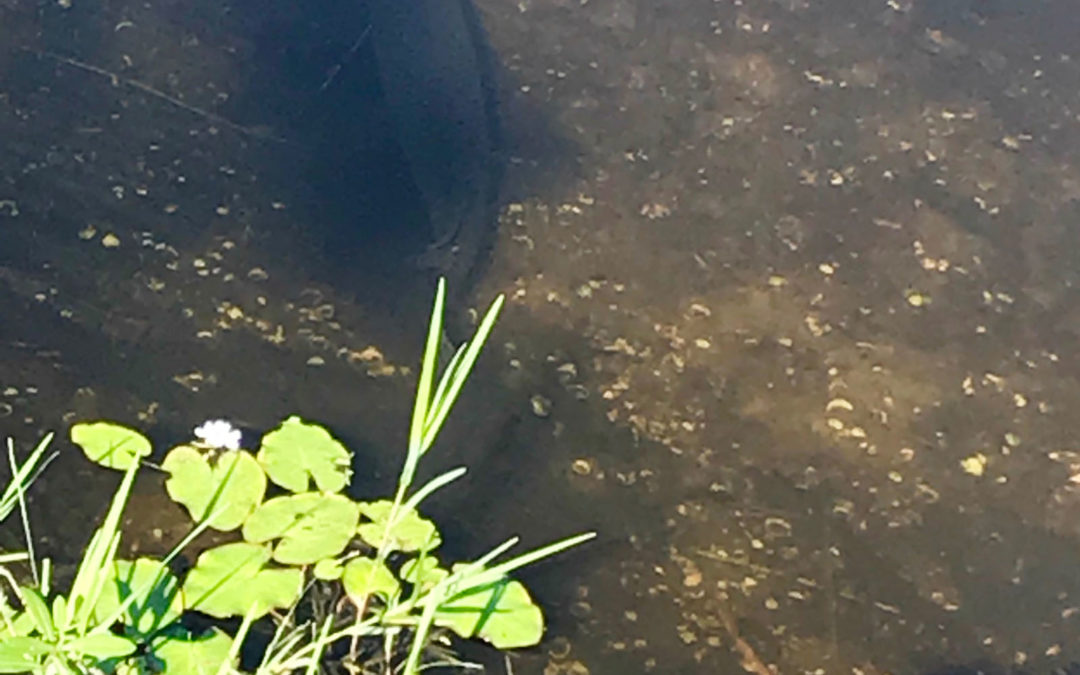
<point>194,655</point>
<point>111,445</point>
<point>311,526</point>
<point>158,601</point>
<point>501,613</point>
<point>227,490</point>
<point>410,533</point>
<point>327,569</point>
<point>363,577</point>
<point>297,453</point>
<point>231,579</point>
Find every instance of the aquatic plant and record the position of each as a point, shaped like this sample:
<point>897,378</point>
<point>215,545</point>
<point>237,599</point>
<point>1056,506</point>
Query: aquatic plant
<point>297,528</point>
<point>22,475</point>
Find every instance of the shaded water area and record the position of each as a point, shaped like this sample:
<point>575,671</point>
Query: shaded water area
<point>791,304</point>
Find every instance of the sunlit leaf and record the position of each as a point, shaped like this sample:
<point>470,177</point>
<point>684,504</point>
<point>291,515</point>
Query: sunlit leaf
<point>363,577</point>
<point>59,612</point>
<point>502,613</point>
<point>231,579</point>
<point>21,625</point>
<point>297,453</point>
<point>100,646</point>
<point>38,612</point>
<point>22,654</point>
<point>327,569</point>
<point>98,556</point>
<point>194,655</point>
<point>230,487</point>
<point>310,526</point>
<point>423,572</point>
<point>158,600</point>
<point>410,533</point>
<point>110,445</point>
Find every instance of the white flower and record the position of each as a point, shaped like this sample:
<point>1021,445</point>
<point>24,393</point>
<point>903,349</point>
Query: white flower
<point>218,434</point>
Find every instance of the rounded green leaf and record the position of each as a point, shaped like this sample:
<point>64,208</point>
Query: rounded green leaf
<point>363,577</point>
<point>310,526</point>
<point>110,445</point>
<point>502,613</point>
<point>226,490</point>
<point>231,579</point>
<point>194,655</point>
<point>327,569</point>
<point>409,533</point>
<point>157,603</point>
<point>297,452</point>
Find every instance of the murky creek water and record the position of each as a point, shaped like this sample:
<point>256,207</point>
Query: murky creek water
<point>791,318</point>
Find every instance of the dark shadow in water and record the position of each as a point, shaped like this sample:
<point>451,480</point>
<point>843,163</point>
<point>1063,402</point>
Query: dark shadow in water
<point>311,75</point>
<point>318,84</point>
<point>348,155</point>
<point>384,186</point>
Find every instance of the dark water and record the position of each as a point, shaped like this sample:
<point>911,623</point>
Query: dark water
<point>791,320</point>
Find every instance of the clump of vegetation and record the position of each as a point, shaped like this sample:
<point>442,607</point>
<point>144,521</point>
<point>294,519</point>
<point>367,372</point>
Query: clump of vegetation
<point>297,529</point>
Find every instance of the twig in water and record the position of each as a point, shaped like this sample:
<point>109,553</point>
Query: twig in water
<point>750,662</point>
<point>348,57</point>
<point>117,80</point>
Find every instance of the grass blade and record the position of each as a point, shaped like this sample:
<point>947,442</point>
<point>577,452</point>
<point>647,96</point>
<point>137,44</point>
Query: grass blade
<point>431,486</point>
<point>427,375</point>
<point>460,373</point>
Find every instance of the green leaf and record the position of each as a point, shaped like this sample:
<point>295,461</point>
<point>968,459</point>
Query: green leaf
<point>22,654</point>
<point>502,613</point>
<point>231,579</point>
<point>59,612</point>
<point>158,601</point>
<point>97,558</point>
<point>38,612</point>
<point>22,475</point>
<point>423,572</point>
<point>363,577</point>
<point>327,569</point>
<point>297,452</point>
<point>194,655</point>
<point>311,526</point>
<point>409,533</point>
<point>231,487</point>
<point>100,646</point>
<point>21,625</point>
<point>110,445</point>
